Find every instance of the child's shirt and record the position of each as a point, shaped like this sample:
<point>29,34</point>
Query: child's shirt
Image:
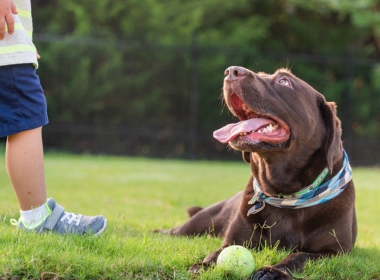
<point>18,48</point>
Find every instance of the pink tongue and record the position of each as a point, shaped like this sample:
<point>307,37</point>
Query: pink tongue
<point>230,131</point>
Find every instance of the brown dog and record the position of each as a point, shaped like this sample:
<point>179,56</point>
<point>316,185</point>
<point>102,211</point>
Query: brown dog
<point>300,195</point>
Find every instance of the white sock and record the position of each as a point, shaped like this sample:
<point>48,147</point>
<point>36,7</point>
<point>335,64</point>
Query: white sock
<point>33,218</point>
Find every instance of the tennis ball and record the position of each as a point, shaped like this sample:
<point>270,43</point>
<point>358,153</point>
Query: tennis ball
<point>236,260</point>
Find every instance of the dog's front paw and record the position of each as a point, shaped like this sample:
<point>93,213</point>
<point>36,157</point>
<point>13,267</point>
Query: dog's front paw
<point>206,263</point>
<point>270,273</point>
<point>196,268</point>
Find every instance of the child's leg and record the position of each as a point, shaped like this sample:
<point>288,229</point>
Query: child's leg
<point>23,107</point>
<point>25,165</point>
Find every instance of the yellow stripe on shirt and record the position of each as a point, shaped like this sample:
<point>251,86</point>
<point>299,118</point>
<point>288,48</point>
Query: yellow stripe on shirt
<point>17,48</point>
<point>19,26</point>
<point>24,13</point>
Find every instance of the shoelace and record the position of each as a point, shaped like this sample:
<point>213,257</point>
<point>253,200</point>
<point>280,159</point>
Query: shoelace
<point>71,217</point>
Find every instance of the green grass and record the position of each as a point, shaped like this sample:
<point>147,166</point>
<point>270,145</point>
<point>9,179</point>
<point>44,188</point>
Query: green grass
<point>138,195</point>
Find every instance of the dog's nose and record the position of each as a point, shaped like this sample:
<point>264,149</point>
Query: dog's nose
<point>235,73</point>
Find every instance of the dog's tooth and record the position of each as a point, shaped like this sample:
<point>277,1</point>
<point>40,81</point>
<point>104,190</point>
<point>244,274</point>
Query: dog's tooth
<point>265,130</point>
<point>270,128</point>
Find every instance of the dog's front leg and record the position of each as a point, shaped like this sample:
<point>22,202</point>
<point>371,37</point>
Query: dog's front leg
<point>283,270</point>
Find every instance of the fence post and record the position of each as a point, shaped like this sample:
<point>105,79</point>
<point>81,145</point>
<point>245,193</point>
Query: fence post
<point>193,104</point>
<point>347,100</point>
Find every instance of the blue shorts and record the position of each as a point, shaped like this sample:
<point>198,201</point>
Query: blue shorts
<point>22,100</point>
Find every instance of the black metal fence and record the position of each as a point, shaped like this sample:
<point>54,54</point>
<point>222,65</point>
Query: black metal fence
<point>167,143</point>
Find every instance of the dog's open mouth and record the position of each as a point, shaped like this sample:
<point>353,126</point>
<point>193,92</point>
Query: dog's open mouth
<point>254,126</point>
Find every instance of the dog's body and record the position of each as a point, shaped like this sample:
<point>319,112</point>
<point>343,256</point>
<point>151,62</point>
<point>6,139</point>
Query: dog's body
<point>289,134</point>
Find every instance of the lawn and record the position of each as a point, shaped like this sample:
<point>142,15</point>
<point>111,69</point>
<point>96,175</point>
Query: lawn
<point>138,195</point>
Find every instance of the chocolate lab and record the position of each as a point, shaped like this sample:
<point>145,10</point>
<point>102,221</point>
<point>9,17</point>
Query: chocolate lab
<point>300,195</point>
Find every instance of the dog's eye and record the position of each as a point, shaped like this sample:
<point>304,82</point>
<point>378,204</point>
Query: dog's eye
<point>285,82</point>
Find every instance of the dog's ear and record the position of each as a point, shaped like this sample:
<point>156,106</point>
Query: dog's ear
<point>246,156</point>
<point>333,144</point>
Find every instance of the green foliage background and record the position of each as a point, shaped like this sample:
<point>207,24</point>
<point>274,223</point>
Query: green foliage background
<point>138,61</point>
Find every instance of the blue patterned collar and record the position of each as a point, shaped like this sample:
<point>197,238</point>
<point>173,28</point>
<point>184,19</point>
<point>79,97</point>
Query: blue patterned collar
<point>309,196</point>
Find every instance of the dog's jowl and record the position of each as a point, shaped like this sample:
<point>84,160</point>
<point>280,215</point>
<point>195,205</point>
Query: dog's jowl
<point>301,195</point>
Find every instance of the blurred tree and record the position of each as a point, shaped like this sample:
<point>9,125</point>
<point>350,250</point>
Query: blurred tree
<point>130,61</point>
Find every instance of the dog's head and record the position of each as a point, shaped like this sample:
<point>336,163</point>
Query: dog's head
<point>278,112</point>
